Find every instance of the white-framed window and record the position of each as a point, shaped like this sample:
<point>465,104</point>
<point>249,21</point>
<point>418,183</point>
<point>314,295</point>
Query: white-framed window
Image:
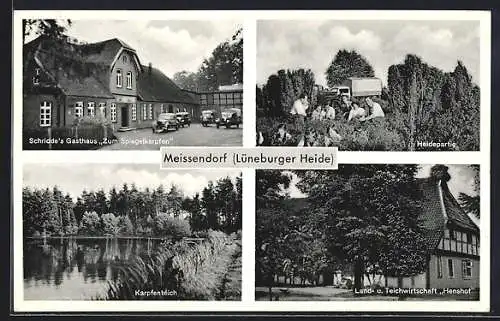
<point>439,264</point>
<point>466,269</point>
<point>113,112</point>
<point>119,78</point>
<point>45,114</point>
<point>102,109</point>
<point>36,78</point>
<point>79,109</point>
<point>144,115</point>
<point>129,80</point>
<point>134,112</point>
<point>150,111</point>
<point>91,108</point>
<point>451,272</point>
<point>161,108</point>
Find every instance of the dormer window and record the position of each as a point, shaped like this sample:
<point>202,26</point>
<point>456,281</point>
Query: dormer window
<point>36,78</point>
<point>119,78</point>
<point>124,59</point>
<point>129,80</point>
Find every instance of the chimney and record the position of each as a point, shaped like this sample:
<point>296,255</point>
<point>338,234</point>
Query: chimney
<point>150,68</point>
<point>440,173</point>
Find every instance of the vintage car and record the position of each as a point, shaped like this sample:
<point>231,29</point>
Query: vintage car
<point>207,117</point>
<point>164,122</point>
<point>229,117</point>
<point>183,118</point>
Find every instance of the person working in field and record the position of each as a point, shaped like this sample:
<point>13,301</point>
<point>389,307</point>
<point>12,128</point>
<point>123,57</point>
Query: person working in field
<point>356,112</point>
<point>316,114</point>
<point>329,112</point>
<point>375,111</point>
<point>299,109</point>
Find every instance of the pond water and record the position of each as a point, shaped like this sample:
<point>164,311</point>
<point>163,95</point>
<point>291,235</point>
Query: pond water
<point>77,268</point>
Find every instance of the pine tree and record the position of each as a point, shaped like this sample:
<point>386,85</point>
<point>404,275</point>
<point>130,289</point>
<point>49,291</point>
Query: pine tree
<point>347,64</point>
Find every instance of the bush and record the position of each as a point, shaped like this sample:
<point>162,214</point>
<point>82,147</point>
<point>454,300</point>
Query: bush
<point>376,134</point>
<point>166,225</point>
<point>110,224</point>
<point>90,224</point>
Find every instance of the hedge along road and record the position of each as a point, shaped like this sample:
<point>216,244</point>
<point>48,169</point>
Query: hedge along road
<point>194,135</point>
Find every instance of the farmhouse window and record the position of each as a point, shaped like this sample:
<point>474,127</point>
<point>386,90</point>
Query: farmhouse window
<point>124,58</point>
<point>45,114</point>
<point>162,110</point>
<point>150,111</point>
<point>466,269</point>
<point>144,115</point>
<point>36,78</point>
<point>91,108</point>
<point>451,272</point>
<point>79,109</point>
<point>129,80</point>
<point>134,112</point>
<point>102,109</point>
<point>439,267</point>
<point>119,80</point>
<point>113,112</point>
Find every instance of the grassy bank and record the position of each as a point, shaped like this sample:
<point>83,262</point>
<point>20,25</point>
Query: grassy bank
<point>178,271</point>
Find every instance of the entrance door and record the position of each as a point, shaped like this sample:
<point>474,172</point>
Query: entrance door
<point>124,116</point>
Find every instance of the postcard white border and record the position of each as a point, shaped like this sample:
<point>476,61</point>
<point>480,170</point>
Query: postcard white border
<point>247,304</point>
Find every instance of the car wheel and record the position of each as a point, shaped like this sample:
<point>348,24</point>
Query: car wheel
<point>237,125</point>
<point>217,126</point>
<point>228,126</point>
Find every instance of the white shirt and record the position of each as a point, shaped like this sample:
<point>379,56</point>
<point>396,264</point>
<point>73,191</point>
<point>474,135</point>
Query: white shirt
<point>359,112</point>
<point>377,111</point>
<point>330,112</point>
<point>298,108</point>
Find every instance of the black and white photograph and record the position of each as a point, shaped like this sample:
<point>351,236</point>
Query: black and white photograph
<point>131,84</point>
<point>368,232</point>
<point>369,85</point>
<point>131,232</point>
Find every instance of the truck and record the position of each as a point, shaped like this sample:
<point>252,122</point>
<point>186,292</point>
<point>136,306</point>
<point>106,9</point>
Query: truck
<point>355,87</point>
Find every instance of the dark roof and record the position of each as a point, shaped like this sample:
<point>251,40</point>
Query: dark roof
<point>439,209</point>
<point>68,68</point>
<point>103,52</point>
<point>154,85</point>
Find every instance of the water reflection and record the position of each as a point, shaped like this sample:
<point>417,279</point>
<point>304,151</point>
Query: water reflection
<point>76,269</point>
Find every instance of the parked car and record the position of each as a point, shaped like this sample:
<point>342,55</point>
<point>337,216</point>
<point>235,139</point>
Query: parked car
<point>164,122</point>
<point>229,117</point>
<point>183,118</point>
<point>208,117</point>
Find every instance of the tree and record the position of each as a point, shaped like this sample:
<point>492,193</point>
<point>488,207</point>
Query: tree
<point>166,225</point>
<point>186,80</point>
<point>270,185</point>
<point>347,64</point>
<point>90,224</point>
<point>110,224</point>
<point>48,27</point>
<point>225,195</point>
<point>101,202</point>
<point>125,227</point>
<point>471,204</point>
<point>174,200</point>
<point>196,219</point>
<point>368,214</point>
<point>224,66</point>
<point>209,206</point>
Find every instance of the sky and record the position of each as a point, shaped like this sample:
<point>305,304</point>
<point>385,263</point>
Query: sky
<point>311,44</point>
<point>171,46</point>
<point>462,181</point>
<point>74,178</point>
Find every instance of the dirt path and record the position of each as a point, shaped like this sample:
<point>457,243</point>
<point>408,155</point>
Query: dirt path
<point>231,284</point>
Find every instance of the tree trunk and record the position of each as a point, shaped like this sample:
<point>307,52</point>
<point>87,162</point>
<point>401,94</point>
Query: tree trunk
<point>358,274</point>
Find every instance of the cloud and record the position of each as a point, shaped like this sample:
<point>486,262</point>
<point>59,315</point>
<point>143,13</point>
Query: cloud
<point>285,44</point>
<point>171,46</point>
